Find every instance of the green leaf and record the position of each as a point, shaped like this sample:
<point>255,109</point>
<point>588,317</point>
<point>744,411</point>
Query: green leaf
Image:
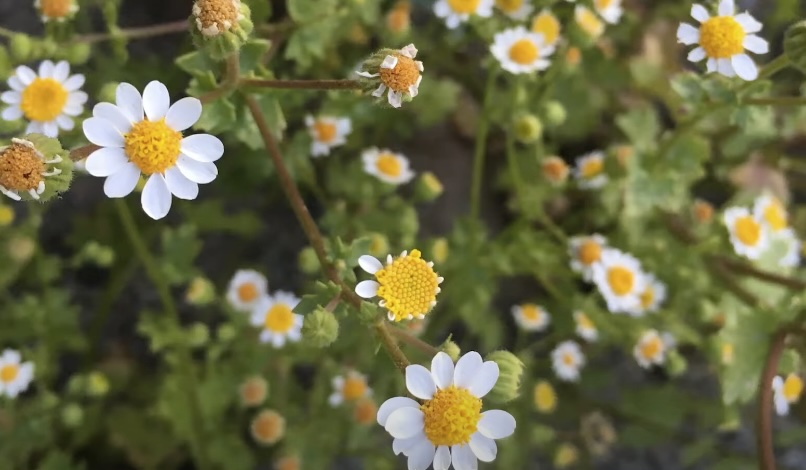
<point>195,63</point>
<point>309,303</point>
<point>252,54</point>
<point>217,117</point>
<point>696,452</point>
<point>750,337</point>
<point>641,127</point>
<point>303,11</point>
<point>248,133</point>
<point>211,216</point>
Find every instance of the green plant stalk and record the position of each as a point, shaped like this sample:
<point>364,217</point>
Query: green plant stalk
<point>345,84</point>
<point>480,149</point>
<point>197,442</point>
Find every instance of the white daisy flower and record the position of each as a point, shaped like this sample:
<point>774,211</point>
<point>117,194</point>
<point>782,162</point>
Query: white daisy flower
<point>274,314</point>
<point>246,289</point>
<point>448,427</point>
<point>400,73</point>
<point>620,281</point>
<point>786,392</point>
<point>15,375</point>
<point>387,166</point>
<point>792,257</point>
<point>652,297</point>
<point>521,51</point>
<point>56,10</point>
<point>585,327</point>
<point>48,100</point>
<point>771,211</point>
<point>585,252</point>
<point>588,22</point>
<point>610,10</point>
<point>407,285</point>
<point>567,360</point>
<point>531,317</point>
<point>747,234</point>
<point>589,171</point>
<point>143,134</point>
<point>548,25</point>
<point>349,388</point>
<point>650,349</point>
<point>518,10</point>
<point>723,40</point>
<point>327,132</point>
<point>456,12</point>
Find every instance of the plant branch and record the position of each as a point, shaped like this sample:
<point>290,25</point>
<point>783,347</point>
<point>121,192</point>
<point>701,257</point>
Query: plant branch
<point>766,454</point>
<point>136,33</point>
<point>750,270</point>
<point>776,101</point>
<point>415,342</point>
<point>390,344</point>
<point>80,153</point>
<point>229,82</point>
<point>302,84</point>
<point>729,282</point>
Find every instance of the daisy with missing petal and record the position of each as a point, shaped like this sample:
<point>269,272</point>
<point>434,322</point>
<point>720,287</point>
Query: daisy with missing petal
<point>521,51</point>
<point>722,39</point>
<point>143,134</point>
<point>610,10</point>
<point>518,10</point>
<point>274,314</point>
<point>771,211</point>
<point>589,171</point>
<point>567,360</point>
<point>24,169</point>
<point>588,22</point>
<point>585,252</point>
<point>652,297</point>
<point>456,12</point>
<point>585,328</point>
<point>620,281</point>
<point>650,349</point>
<point>327,132</point>
<point>531,317</point>
<point>747,234</point>
<point>447,426</point>
<point>246,289</point>
<point>548,25</point>
<point>398,72</point>
<point>349,388</point>
<point>387,166</point>
<point>786,392</point>
<point>15,375</point>
<point>48,100</point>
<point>407,285</point>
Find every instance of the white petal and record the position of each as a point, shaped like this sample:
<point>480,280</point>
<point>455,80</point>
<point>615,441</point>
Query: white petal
<point>11,97</point>
<point>25,74</point>
<point>64,122</point>
<point>726,8</point>
<point>198,172</point>
<point>12,113</point>
<point>122,183</point>
<point>46,69</point>
<point>687,34</point>
<point>463,458</point>
<point>335,399</point>
<point>106,161</point>
<point>61,71</point>
<point>180,186</point>
<point>484,447</point>
<point>183,114</point>
<point>129,101</point>
<point>466,369</point>
<point>442,370</point>
<point>203,147</point>
<point>485,379</point>
<point>156,197</point>
<point>699,13</point>
<point>370,264</point>
<point>756,44</point>
<point>114,115</point>
<point>421,455</point>
<point>74,83</point>
<point>781,404</point>
<point>419,382</point>
<point>76,98</point>
<point>393,404</point>
<point>496,424</point>
<point>697,54</point>
<point>101,132</point>
<point>744,66</point>
<point>406,445</point>
<point>750,24</point>
<point>50,129</point>
<point>725,68</point>
<point>442,458</point>
<point>395,98</point>
<point>378,92</point>
<point>15,83</point>
<point>389,62</point>
<point>156,100</point>
<point>367,289</point>
<point>278,341</point>
<point>711,65</point>
<point>404,422</point>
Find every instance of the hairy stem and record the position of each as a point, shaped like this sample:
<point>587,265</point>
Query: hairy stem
<point>302,84</point>
<point>80,153</point>
<point>229,82</point>
<point>136,33</point>
<point>390,344</point>
<point>413,341</point>
<point>740,267</point>
<point>766,454</point>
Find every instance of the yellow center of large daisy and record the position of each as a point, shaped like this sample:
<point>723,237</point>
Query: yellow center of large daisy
<point>153,146</point>
<point>589,252</point>
<point>793,386</point>
<point>775,215</point>
<point>651,347</point>
<point>389,165</point>
<point>531,312</point>
<point>247,292</point>
<point>589,22</point>
<point>554,169</point>
<point>524,52</point>
<point>545,397</point>
<point>747,230</point>
<point>220,13</point>
<point>402,76</point>
<point>9,372</point>
<point>408,286</point>
<point>325,131</point>
<point>547,25</point>
<point>354,388</point>
<point>55,8</point>
<point>509,6</point>
<point>20,168</point>
<point>450,418</point>
<point>464,6</point>
<point>43,100</point>
<point>722,37</point>
<point>621,280</point>
<point>279,318</point>
<point>592,167</point>
<point>647,297</point>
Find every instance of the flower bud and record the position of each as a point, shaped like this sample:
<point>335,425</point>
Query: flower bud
<point>795,45</point>
<point>676,364</point>
<point>253,391</point>
<point>97,384</point>
<point>308,261</point>
<point>428,187</point>
<point>566,455</point>
<point>510,368</point>
<point>21,47</point>
<point>703,211</point>
<point>320,328</point>
<point>573,56</point>
<point>35,168</point>
<point>220,27</point>
<point>79,53</point>
<point>378,245</point>
<point>528,128</point>
<point>72,415</point>
<point>555,170</point>
<point>545,397</point>
<point>554,113</point>
<point>623,154</point>
<point>440,250</point>
<point>268,427</point>
<point>21,248</point>
<point>200,292</point>
<point>198,335</point>
<point>451,349</point>
<point>364,411</point>
<point>226,333</point>
<point>289,462</point>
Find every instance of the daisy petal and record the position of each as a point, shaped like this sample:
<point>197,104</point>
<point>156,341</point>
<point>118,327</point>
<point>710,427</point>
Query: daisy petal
<point>106,161</point>
<point>724,67</point>
<point>483,447</point>
<point>198,172</point>
<point>130,102</point>
<point>405,446</point>
<point>50,129</point>
<point>687,34</point>
<point>61,71</point>
<point>370,264</point>
<point>64,122</point>
<point>442,370</point>
<point>367,289</point>
<point>74,83</point>
<point>114,115</point>
<point>750,24</point>
<point>442,458</point>
<point>25,74</point>
<point>466,369</point>
<point>404,422</point>
<point>11,97</point>
<point>203,147</point>
<point>156,197</point>
<point>122,183</point>
<point>781,405</point>
<point>419,382</point>
<point>756,44</point>
<point>156,100</point>
<point>180,186</point>
<point>12,113</point>
<point>46,69</point>
<point>496,424</point>
<point>101,132</point>
<point>744,67</point>
<point>697,54</point>
<point>726,8</point>
<point>183,114</point>
<point>393,404</point>
<point>421,455</point>
<point>463,458</point>
<point>699,13</point>
<point>484,380</point>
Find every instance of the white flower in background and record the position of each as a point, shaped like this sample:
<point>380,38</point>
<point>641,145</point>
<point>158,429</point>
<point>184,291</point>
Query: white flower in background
<point>274,314</point>
<point>48,100</point>
<point>56,10</point>
<point>771,212</point>
<point>456,12</point>
<point>650,349</point>
<point>793,244</point>
<point>786,392</point>
<point>143,134</point>
<point>448,427</point>
<point>531,317</point>
<point>747,234</point>
<point>610,10</point>
<point>585,252</point>
<point>548,25</point>
<point>15,375</point>
<point>567,360</point>
<point>387,166</point>
<point>722,39</point>
<point>327,132</point>
<point>349,388</point>
<point>521,51</point>
<point>588,22</point>
<point>518,10</point>
<point>652,297</point>
<point>589,171</point>
<point>400,73</point>
<point>585,327</point>
<point>620,281</point>
<point>246,289</point>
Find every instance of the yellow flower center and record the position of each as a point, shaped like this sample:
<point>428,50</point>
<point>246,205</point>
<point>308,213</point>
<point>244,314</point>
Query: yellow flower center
<point>451,417</point>
<point>399,19</point>
<point>722,37</point>
<point>547,25</point>
<point>566,456</point>
<point>9,372</point>
<point>775,215</point>
<point>325,131</point>
<point>464,6</point>
<point>621,280</point>
<point>268,427</point>
<point>43,100</point>
<point>408,286</point>
<point>569,359</point>
<point>555,169</point>
<point>279,318</point>
<point>652,347</point>
<point>647,297</point>
<point>365,411</point>
<point>153,146</point>
<point>6,216</point>
<point>589,252</point>
<point>219,13</point>
<point>402,76</point>
<point>288,463</point>
<point>584,322</point>
<point>602,4</point>
<point>727,353</point>
<point>524,52</point>
<point>253,391</point>
<point>703,211</point>
<point>793,386</point>
<point>247,292</point>
<point>747,230</point>
<point>573,56</point>
<point>509,6</point>
<point>389,165</point>
<point>545,397</point>
<point>21,168</point>
<point>354,388</point>
<point>592,167</point>
<point>55,8</point>
<point>531,312</point>
<point>589,22</point>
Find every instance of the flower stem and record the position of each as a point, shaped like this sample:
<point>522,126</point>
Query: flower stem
<point>480,149</point>
<point>390,344</point>
<point>80,153</point>
<point>739,267</point>
<point>413,341</point>
<point>766,454</point>
<point>229,82</point>
<point>136,33</point>
<point>776,101</point>
<point>302,84</point>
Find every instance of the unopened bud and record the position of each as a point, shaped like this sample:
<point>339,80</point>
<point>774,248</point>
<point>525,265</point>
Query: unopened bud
<point>72,415</point>
<point>308,261</point>
<point>320,328</point>
<point>528,128</point>
<point>21,47</point>
<point>554,113</point>
<point>97,384</point>
<point>451,349</point>
<point>226,333</point>
<point>676,364</point>
<point>428,187</point>
<point>510,371</point>
<point>201,291</point>
<point>21,248</point>
<point>440,250</point>
<point>378,244</point>
<point>79,53</point>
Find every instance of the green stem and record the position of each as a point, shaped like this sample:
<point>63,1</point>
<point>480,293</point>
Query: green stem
<point>480,149</point>
<point>345,84</point>
<point>771,68</point>
<point>776,101</point>
<point>512,161</point>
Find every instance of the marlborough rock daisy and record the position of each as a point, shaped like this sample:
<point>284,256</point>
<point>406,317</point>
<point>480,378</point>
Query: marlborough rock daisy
<point>387,166</point>
<point>588,22</point>
<point>15,375</point>
<point>650,349</point>
<point>48,99</point>
<point>785,392</point>
<point>567,360</point>
<point>327,132</point>
<point>652,297</point>
<point>395,71</point>
<point>275,316</point>
<point>143,135</point>
<point>456,12</point>
<point>531,317</point>
<point>349,387</point>
<point>447,426</point>
<point>585,328</point>
<point>748,234</point>
<point>519,50</point>
<point>610,10</point>
<point>585,252</point>
<point>33,168</point>
<point>518,10</point>
<point>620,281</point>
<point>771,211</point>
<point>246,288</point>
<point>590,170</point>
<point>548,25</point>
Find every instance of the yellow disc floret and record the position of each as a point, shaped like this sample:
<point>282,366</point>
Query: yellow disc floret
<point>354,388</point>
<point>450,418</point>
<point>524,52</point>
<point>279,318</point>
<point>509,6</point>
<point>43,100</point>
<point>404,74</point>
<point>545,397</point>
<point>464,6</point>
<point>531,312</point>
<point>547,25</point>
<point>747,230</point>
<point>651,347</point>
<point>722,37</point>
<point>247,292</point>
<point>775,215</point>
<point>216,16</point>
<point>153,146</point>
<point>555,169</point>
<point>21,167</point>
<point>592,167</point>
<point>389,165</point>
<point>647,297</point>
<point>589,252</point>
<point>325,131</point>
<point>621,280</point>
<point>793,387</point>
<point>56,9</point>
<point>408,286</point>
<point>9,372</point>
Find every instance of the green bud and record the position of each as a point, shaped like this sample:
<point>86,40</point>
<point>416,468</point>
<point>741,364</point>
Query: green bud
<point>308,261</point>
<point>378,245</point>
<point>408,221</point>
<point>227,333</point>
<point>21,47</point>
<point>49,400</point>
<point>72,415</point>
<point>795,45</point>
<point>554,113</point>
<point>676,364</point>
<point>48,48</point>
<point>201,291</point>
<point>79,53</point>
<point>76,385</point>
<point>99,254</point>
<point>218,31</point>
<point>451,349</point>
<point>97,384</point>
<point>108,92</point>
<point>21,248</point>
<point>510,370</point>
<point>320,328</point>
<point>528,128</point>
<point>428,187</point>
<point>198,335</point>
